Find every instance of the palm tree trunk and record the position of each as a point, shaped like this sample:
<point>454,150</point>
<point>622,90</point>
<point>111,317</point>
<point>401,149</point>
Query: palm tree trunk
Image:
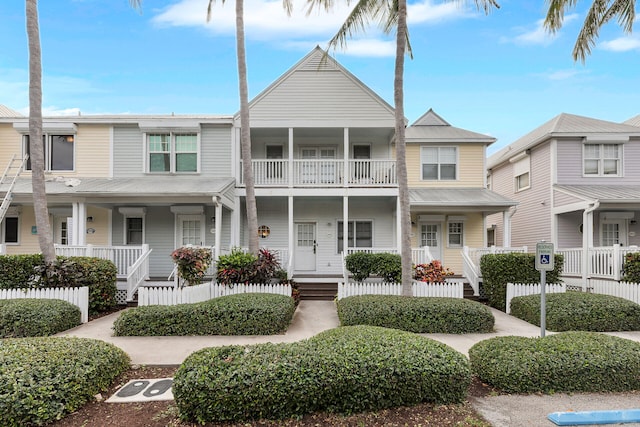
<point>245,132</point>
<point>45,239</point>
<point>401,164</point>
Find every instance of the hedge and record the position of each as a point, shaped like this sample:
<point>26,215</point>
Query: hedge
<point>42,379</point>
<point>564,362</point>
<point>420,315</point>
<point>241,314</point>
<point>500,269</point>
<point>29,317</point>
<point>344,370</point>
<point>579,311</point>
<point>100,275</point>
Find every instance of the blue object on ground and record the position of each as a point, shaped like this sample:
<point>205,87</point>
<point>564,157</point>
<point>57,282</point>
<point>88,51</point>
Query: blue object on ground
<point>595,417</point>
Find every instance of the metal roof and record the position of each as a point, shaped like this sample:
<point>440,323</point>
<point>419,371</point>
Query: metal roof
<point>129,187</point>
<point>461,197</point>
<point>603,193</point>
<point>563,125</point>
<point>433,128</point>
<point>633,121</point>
<point>8,112</point>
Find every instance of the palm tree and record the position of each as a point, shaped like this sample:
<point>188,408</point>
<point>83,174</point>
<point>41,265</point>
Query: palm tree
<point>391,14</point>
<point>601,12</point>
<point>45,238</point>
<point>245,125</point>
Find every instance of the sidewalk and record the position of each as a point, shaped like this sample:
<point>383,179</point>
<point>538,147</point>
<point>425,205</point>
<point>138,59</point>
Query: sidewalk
<point>313,317</point>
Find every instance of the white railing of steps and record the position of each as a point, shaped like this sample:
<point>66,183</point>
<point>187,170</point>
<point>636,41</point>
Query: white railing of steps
<point>471,262</point>
<point>138,273</point>
<point>121,256</point>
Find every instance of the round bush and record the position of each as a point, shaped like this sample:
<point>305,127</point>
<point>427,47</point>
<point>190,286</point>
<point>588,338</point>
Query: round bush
<point>345,370</point>
<point>579,311</point>
<point>241,314</point>
<point>565,362</point>
<point>30,317</point>
<point>42,379</point>
<point>420,315</point>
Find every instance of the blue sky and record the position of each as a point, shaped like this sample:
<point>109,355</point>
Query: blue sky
<point>500,74</point>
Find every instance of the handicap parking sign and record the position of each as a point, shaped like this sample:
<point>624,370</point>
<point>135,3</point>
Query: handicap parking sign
<point>544,256</point>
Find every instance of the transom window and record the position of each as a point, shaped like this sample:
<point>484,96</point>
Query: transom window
<point>602,159</point>
<point>172,152</point>
<point>360,235</point>
<point>58,152</point>
<point>439,163</point>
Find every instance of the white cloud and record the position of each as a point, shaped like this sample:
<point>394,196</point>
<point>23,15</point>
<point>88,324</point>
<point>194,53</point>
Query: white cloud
<point>622,44</point>
<point>53,110</point>
<point>538,34</point>
<point>562,74</point>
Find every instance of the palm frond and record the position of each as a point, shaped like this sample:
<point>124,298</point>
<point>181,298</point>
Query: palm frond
<point>555,14</point>
<point>590,30</point>
<point>625,11</point>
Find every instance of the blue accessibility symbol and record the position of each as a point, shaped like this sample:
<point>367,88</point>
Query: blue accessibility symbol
<point>545,259</point>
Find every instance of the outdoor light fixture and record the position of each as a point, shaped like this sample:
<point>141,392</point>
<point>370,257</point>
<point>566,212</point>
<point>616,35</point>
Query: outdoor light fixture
<point>263,231</point>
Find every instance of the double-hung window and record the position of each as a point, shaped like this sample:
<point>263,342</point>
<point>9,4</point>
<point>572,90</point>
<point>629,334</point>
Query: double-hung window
<point>522,172</point>
<point>172,152</point>
<point>58,152</point>
<point>360,235</point>
<point>602,159</point>
<point>455,234</point>
<point>439,163</point>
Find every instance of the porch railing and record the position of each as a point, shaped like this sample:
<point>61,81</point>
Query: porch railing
<point>471,262</point>
<point>605,262</point>
<point>323,172</point>
<point>121,256</point>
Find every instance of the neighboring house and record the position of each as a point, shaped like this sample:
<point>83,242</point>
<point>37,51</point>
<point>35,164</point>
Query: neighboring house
<point>324,168</point>
<point>577,182</point>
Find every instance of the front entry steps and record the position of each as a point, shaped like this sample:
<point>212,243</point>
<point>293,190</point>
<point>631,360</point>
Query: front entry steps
<point>317,287</point>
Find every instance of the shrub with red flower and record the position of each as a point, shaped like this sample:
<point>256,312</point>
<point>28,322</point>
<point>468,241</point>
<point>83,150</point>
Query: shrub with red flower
<point>432,272</point>
<point>192,262</point>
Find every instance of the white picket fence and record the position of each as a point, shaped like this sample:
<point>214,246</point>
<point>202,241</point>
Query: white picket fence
<point>191,294</point>
<point>420,289</point>
<point>626,290</point>
<point>524,289</point>
<point>76,296</point>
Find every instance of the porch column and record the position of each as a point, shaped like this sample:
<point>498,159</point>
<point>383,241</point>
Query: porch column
<point>78,227</point>
<point>345,224</point>
<point>346,172</point>
<point>218,227</point>
<point>506,226</point>
<point>290,158</point>
<point>236,223</point>
<point>398,226</point>
<point>292,254</point>
<point>587,241</point>
<point>72,228</point>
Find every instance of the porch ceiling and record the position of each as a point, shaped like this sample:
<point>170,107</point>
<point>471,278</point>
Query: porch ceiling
<point>622,194</point>
<point>473,198</point>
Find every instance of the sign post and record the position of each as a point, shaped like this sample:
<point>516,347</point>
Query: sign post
<point>544,262</point>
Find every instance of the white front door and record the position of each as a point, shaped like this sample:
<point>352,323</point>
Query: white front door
<point>61,230</point>
<point>613,231</point>
<point>189,230</point>
<point>430,236</point>
<point>305,255</point>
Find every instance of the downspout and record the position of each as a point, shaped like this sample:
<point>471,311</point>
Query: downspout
<point>587,240</point>
<point>506,238</point>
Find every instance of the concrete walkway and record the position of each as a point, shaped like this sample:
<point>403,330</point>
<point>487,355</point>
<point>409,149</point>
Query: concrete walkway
<point>313,317</point>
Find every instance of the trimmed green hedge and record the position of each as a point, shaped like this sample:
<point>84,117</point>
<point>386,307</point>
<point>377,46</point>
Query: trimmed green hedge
<point>345,370</point>
<point>420,315</point>
<point>579,311</point>
<point>30,317</point>
<point>100,275</point>
<point>500,269</point>
<point>43,379</point>
<point>564,362</point>
<point>241,314</point>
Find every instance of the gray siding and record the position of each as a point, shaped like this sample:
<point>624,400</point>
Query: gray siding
<point>215,148</point>
<point>570,165</point>
<point>127,151</point>
<point>320,98</point>
<point>562,199</point>
<point>569,235</point>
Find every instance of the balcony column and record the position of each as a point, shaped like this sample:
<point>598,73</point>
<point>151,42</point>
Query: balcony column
<point>290,158</point>
<point>346,172</point>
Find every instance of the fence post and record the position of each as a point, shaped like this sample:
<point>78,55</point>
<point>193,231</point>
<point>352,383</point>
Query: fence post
<point>617,261</point>
<point>89,250</point>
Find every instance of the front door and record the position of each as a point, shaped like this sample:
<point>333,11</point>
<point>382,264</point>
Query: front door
<point>430,236</point>
<point>320,167</point>
<point>305,255</point>
<point>613,231</point>
<point>61,230</point>
<point>189,230</point>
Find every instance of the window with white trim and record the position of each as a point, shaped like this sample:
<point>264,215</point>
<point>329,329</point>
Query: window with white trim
<point>172,152</point>
<point>360,235</point>
<point>439,163</point>
<point>134,230</point>
<point>455,231</point>
<point>11,230</point>
<point>522,173</point>
<point>58,152</point>
<point>602,159</point>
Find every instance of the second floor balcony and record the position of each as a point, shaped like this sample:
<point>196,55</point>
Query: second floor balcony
<point>323,173</point>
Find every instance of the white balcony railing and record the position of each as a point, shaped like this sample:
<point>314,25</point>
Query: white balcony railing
<point>323,172</point>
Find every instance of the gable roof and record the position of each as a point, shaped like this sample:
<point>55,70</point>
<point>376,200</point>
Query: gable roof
<point>315,62</point>
<point>430,127</point>
<point>562,125</point>
<point>8,112</point>
<point>633,121</point>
